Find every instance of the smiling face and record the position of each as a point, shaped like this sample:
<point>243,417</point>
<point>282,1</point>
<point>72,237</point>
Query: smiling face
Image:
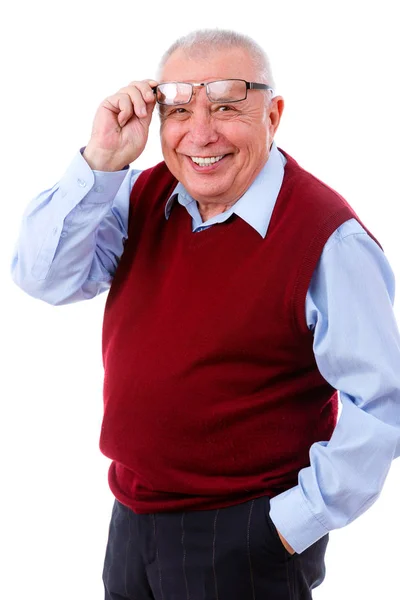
<point>235,136</point>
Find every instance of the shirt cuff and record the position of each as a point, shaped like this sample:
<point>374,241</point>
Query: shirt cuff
<point>82,185</point>
<point>294,520</point>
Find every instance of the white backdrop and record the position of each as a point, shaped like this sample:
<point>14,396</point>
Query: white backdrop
<point>336,64</point>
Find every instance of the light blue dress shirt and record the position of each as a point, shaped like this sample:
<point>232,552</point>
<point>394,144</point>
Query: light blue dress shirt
<point>72,236</point>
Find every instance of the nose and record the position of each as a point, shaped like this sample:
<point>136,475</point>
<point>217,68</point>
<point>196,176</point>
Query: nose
<point>202,127</point>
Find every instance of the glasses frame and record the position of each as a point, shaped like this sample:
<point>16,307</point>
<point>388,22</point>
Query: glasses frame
<point>250,85</point>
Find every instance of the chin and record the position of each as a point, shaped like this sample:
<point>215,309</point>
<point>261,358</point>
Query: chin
<point>204,192</point>
<point>205,185</point>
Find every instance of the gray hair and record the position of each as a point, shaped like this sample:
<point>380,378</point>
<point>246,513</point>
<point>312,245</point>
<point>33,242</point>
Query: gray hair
<point>200,42</point>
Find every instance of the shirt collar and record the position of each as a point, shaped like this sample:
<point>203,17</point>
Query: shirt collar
<point>257,203</point>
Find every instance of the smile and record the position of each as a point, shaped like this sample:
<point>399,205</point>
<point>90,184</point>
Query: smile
<point>210,160</point>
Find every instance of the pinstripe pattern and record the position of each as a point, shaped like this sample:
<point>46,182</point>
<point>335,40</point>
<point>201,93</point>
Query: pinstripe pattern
<point>184,556</point>
<point>169,556</point>
<point>214,541</point>
<point>157,557</point>
<point>248,550</point>
<point>127,553</point>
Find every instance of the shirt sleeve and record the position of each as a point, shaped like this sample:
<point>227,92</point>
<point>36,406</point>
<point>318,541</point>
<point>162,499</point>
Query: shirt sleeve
<point>72,235</point>
<point>357,349</point>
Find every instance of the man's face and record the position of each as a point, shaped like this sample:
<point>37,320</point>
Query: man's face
<point>240,132</point>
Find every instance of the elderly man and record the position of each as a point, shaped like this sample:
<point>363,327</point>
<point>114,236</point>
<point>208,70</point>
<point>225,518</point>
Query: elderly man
<point>244,294</point>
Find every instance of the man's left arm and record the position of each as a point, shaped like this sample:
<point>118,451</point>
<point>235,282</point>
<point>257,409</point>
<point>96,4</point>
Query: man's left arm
<point>357,349</point>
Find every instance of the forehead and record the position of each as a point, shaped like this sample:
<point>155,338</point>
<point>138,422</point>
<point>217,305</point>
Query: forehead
<point>234,63</point>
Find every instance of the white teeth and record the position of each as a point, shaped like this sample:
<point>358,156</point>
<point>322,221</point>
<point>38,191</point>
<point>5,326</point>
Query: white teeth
<point>206,161</point>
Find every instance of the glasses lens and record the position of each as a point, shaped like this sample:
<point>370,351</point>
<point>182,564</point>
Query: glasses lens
<point>226,90</point>
<point>174,93</point>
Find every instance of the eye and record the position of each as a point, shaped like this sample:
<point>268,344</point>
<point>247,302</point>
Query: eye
<point>179,111</point>
<point>224,108</point>
<point>174,112</point>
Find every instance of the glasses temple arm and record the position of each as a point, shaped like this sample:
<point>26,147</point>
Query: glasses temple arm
<point>258,86</point>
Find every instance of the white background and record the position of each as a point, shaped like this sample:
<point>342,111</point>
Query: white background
<point>336,64</point>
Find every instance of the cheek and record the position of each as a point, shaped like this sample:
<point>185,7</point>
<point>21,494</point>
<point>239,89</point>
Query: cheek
<point>240,134</point>
<point>171,135</point>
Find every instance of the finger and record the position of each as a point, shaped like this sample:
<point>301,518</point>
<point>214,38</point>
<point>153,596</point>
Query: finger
<point>144,83</point>
<point>126,108</point>
<point>136,99</point>
<point>121,105</point>
<point>145,88</point>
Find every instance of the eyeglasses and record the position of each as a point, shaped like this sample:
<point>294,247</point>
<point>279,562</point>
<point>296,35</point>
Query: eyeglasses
<point>224,90</point>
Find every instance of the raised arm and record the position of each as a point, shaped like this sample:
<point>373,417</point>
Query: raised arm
<point>72,235</point>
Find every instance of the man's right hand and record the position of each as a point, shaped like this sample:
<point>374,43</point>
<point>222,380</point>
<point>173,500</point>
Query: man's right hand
<point>121,127</point>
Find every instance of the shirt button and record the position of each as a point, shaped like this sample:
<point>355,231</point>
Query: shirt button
<point>81,182</point>
<point>64,234</point>
<point>99,188</point>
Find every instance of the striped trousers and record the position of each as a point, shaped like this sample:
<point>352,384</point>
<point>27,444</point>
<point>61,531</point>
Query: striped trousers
<point>231,553</point>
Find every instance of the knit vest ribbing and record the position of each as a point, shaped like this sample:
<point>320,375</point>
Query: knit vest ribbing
<point>211,393</point>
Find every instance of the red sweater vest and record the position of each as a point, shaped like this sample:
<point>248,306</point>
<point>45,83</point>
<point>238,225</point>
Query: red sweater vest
<point>212,395</point>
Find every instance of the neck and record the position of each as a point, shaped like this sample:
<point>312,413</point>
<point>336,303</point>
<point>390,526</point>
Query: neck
<point>208,211</point>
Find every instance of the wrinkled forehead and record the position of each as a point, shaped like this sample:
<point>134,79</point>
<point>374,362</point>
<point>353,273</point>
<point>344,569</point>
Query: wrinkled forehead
<point>208,65</point>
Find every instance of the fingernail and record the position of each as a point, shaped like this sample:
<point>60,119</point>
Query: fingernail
<point>143,112</point>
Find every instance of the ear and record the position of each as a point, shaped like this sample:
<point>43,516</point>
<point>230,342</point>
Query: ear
<point>275,112</point>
